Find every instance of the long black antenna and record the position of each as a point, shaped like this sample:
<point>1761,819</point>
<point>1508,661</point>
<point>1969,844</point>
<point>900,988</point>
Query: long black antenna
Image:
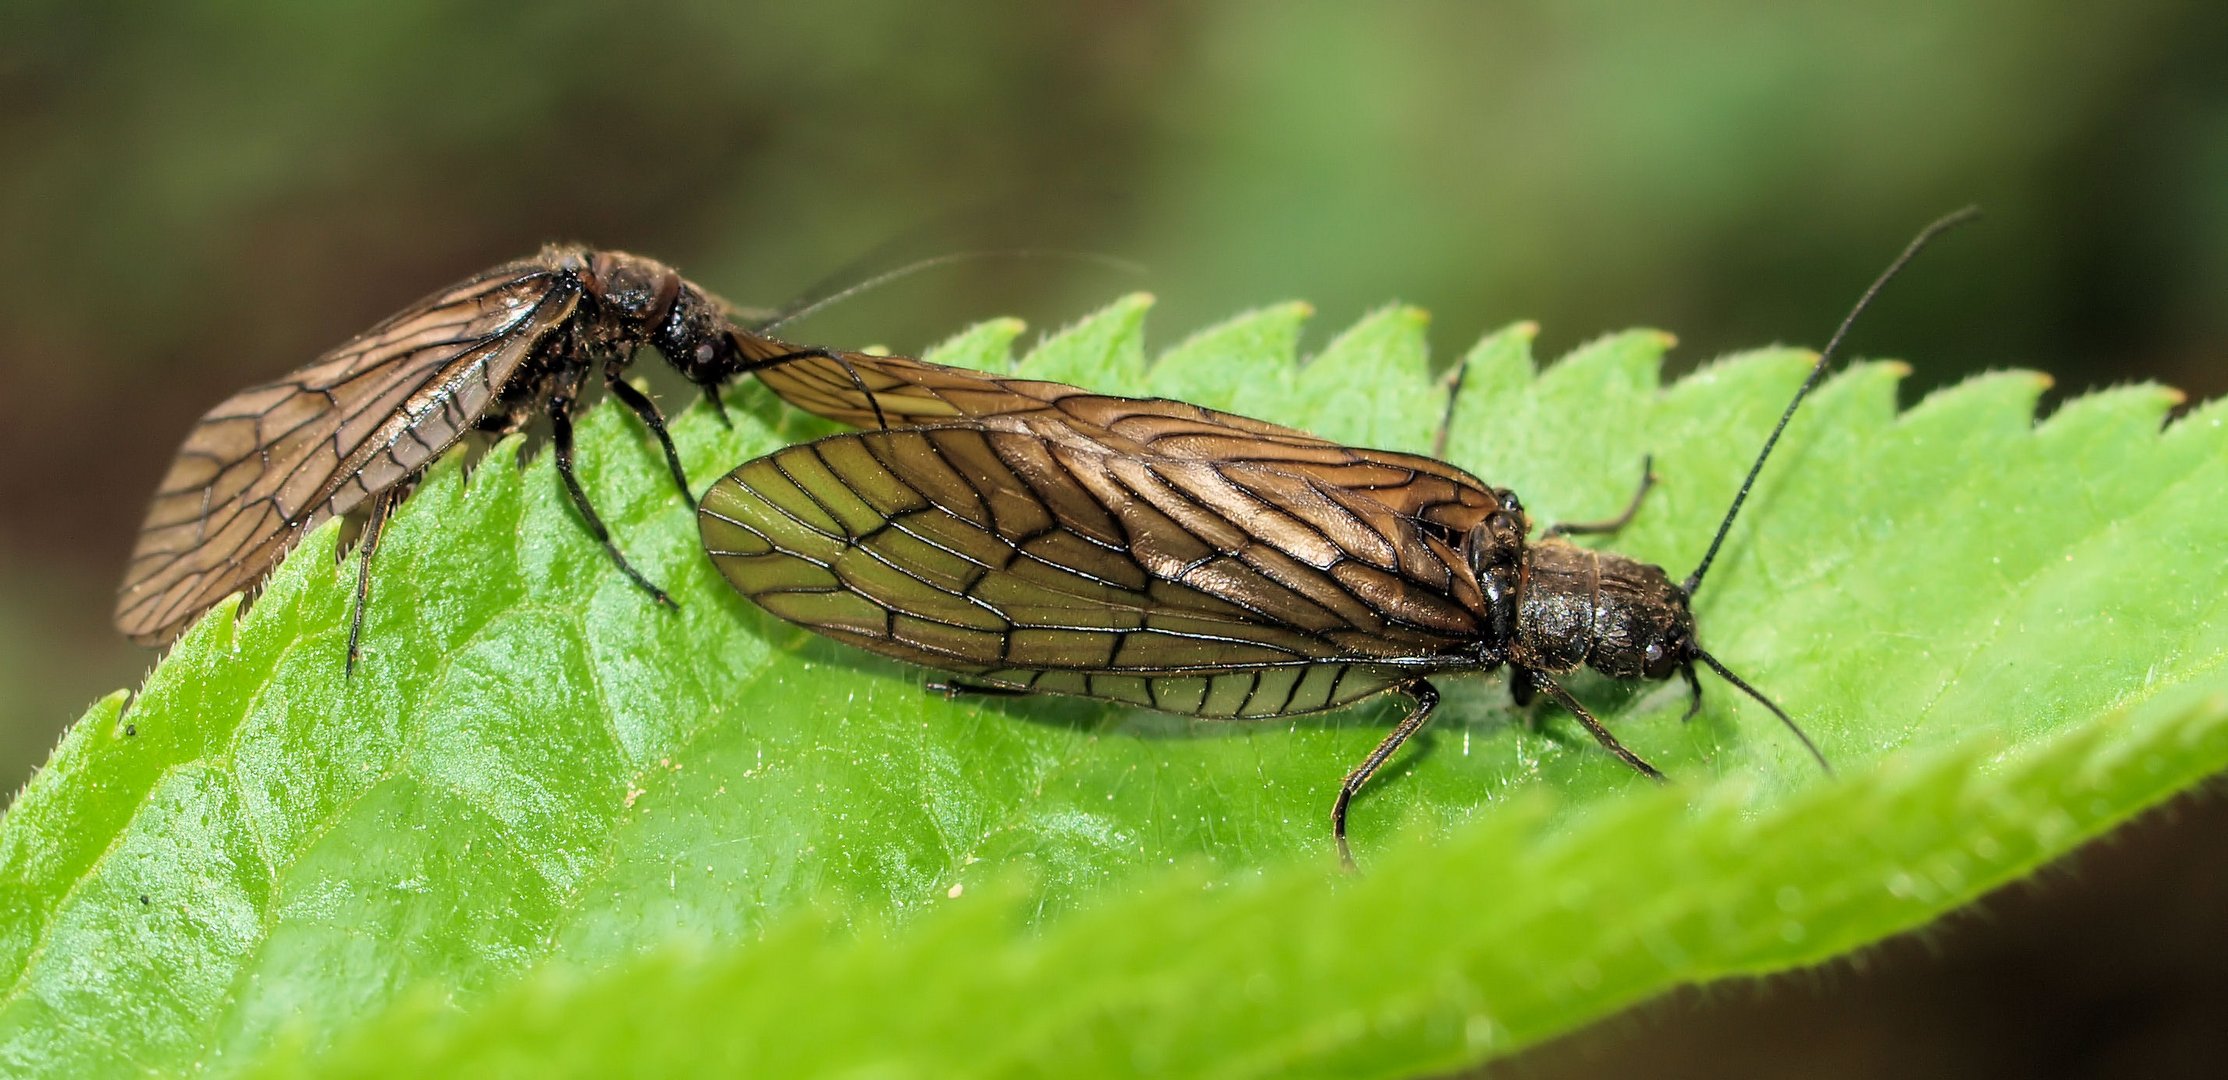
<point>1742,685</point>
<point>813,304</point>
<point>1817,372</point>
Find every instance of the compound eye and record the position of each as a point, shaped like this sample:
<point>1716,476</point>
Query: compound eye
<point>1509,501</point>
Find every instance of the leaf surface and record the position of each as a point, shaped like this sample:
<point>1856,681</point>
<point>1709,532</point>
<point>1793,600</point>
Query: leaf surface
<point>549,824</point>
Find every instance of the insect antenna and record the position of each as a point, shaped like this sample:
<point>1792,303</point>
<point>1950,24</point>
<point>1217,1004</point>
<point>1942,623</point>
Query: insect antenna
<point>823,296</point>
<point>820,298</point>
<point>1817,372</point>
<point>1742,685</point>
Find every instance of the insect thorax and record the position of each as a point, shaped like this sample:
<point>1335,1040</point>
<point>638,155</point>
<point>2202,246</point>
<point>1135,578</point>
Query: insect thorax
<point>1619,616</point>
<point>1495,550</point>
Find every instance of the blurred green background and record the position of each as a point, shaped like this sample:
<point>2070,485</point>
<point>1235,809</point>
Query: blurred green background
<point>193,198</point>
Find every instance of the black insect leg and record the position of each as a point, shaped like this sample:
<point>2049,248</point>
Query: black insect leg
<point>382,505</point>
<point>560,422</point>
<point>652,419</point>
<point>1427,699</point>
<point>1455,376</point>
<point>1601,734</point>
<point>1591,528</point>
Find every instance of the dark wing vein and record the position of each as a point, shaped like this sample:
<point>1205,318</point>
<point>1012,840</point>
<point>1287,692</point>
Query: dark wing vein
<point>853,387</point>
<point>273,461</point>
<point>1225,588</point>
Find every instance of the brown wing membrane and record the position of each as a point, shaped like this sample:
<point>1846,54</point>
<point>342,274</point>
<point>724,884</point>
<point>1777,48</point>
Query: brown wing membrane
<point>1216,588</point>
<point>275,460</point>
<point>859,389</point>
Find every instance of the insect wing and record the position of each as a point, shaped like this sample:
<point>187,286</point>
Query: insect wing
<point>1188,585</point>
<point>867,391</point>
<point>857,388</point>
<point>275,460</point>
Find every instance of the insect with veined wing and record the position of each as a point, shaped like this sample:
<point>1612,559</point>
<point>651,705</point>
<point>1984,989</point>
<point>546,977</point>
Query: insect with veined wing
<point>354,428</point>
<point>1033,537</point>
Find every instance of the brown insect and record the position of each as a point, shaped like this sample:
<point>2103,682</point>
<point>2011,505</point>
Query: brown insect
<point>354,428</point>
<point>1034,537</point>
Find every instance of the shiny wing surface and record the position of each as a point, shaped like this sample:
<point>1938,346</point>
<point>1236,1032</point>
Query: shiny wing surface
<point>859,389</point>
<point>275,460</point>
<point>1216,588</point>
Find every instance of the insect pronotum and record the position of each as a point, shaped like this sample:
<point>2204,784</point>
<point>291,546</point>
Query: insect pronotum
<point>1033,537</point>
<point>354,428</point>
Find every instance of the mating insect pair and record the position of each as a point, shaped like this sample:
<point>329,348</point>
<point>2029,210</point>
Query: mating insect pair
<point>1029,536</point>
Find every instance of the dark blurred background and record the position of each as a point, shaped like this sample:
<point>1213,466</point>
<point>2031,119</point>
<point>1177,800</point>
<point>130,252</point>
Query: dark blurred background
<point>195,198</point>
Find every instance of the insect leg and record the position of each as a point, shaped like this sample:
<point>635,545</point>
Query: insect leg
<point>382,505</point>
<point>1427,698</point>
<point>560,422</point>
<point>652,419</point>
<point>1589,528</point>
<point>1601,734</point>
<point>1455,375</point>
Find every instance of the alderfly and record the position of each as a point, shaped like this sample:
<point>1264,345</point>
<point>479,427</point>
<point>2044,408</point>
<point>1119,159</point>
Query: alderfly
<point>1032,537</point>
<point>352,430</point>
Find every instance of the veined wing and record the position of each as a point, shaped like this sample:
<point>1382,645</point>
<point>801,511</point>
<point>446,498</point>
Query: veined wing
<point>1226,588</point>
<point>868,391</point>
<point>274,460</point>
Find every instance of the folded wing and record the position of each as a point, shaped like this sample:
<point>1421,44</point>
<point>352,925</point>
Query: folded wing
<point>1048,561</point>
<point>867,391</point>
<point>275,460</point>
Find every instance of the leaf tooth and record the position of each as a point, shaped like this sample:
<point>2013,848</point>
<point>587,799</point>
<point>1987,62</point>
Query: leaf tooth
<point>1104,350</point>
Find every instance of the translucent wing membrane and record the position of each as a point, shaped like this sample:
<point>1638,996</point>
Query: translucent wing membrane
<point>1051,561</point>
<point>275,460</point>
<point>1041,537</point>
<point>887,391</point>
<point>891,391</point>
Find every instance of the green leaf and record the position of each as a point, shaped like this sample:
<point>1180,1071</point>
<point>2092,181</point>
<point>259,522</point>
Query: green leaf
<point>549,826</point>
